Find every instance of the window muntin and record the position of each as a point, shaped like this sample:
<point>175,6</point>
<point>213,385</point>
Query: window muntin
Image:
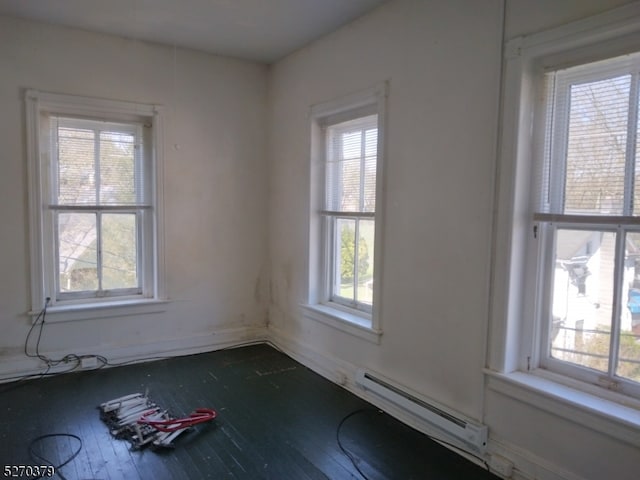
<point>351,154</point>
<point>588,204</point>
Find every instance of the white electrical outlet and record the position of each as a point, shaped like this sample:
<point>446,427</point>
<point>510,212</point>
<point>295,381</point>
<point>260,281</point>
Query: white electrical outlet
<point>501,466</point>
<point>89,362</point>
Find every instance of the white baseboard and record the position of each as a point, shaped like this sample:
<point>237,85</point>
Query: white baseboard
<point>344,374</point>
<point>526,465</point>
<point>13,368</point>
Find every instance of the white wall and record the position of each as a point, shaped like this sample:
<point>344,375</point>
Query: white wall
<point>442,61</point>
<point>215,194</point>
<point>442,58</point>
<point>237,244</point>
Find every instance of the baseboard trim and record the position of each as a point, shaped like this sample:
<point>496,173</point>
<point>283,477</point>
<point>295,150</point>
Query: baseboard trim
<point>526,465</point>
<point>18,367</point>
<point>344,374</point>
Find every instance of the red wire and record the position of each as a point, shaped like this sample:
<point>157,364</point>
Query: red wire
<point>200,415</point>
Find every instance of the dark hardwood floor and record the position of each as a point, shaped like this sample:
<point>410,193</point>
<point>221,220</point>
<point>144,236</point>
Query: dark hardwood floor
<point>276,420</point>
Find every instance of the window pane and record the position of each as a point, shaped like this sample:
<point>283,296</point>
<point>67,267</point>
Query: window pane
<point>119,251</point>
<point>596,147</point>
<point>370,164</point>
<point>365,261</point>
<point>636,182</point>
<point>351,165</point>
<point>77,254</point>
<point>580,331</point>
<point>629,351</point>
<point>343,172</point>
<point>344,264</point>
<point>349,171</point>
<point>117,168</point>
<point>76,166</point>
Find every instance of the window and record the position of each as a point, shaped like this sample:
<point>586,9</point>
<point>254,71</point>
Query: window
<point>346,179</point>
<point>588,217</point>
<point>350,204</point>
<point>94,200</point>
<point>564,302</point>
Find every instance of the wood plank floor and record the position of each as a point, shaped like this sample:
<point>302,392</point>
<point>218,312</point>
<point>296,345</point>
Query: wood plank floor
<point>276,420</point>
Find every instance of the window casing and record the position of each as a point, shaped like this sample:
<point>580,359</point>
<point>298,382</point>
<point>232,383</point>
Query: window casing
<point>95,187</point>
<point>347,152</point>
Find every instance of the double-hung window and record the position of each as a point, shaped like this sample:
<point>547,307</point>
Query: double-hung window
<point>566,261</point>
<point>94,200</point>
<point>346,178</point>
<point>350,210</point>
<point>587,216</point>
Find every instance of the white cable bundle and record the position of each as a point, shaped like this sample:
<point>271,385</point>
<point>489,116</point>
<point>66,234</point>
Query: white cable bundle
<point>122,414</point>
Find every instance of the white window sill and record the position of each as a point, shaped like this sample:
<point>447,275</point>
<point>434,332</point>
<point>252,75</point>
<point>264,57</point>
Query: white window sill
<point>618,418</point>
<point>343,321</point>
<point>68,312</point>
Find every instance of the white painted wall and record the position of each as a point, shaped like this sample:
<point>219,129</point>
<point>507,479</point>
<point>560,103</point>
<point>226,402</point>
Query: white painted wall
<point>442,61</point>
<point>215,193</point>
<point>442,58</point>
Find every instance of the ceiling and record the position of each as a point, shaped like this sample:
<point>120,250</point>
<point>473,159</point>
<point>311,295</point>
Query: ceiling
<point>260,30</point>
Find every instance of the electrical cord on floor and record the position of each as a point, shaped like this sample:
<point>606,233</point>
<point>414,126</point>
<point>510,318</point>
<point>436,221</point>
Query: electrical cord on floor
<point>40,321</point>
<point>353,460</point>
<point>76,360</point>
<point>39,458</point>
<point>51,362</point>
<point>348,454</point>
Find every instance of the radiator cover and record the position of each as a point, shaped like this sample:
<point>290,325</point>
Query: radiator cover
<point>473,435</point>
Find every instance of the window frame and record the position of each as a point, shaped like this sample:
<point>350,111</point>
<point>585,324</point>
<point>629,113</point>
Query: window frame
<point>513,357</point>
<point>39,107</point>
<point>319,305</point>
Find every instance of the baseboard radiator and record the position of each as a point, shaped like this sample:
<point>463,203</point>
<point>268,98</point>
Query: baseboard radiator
<point>475,436</point>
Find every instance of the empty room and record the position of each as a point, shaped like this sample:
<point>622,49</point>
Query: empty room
<point>320,239</point>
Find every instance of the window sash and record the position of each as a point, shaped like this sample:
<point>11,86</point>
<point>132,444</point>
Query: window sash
<point>98,135</point>
<point>351,155</point>
<point>549,184</point>
<point>100,291</point>
<point>333,241</point>
<point>618,296</point>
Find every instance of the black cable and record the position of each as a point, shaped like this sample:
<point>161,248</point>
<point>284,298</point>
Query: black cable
<point>40,318</point>
<point>72,357</point>
<point>430,437</point>
<point>106,362</point>
<point>57,468</point>
<point>348,454</point>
